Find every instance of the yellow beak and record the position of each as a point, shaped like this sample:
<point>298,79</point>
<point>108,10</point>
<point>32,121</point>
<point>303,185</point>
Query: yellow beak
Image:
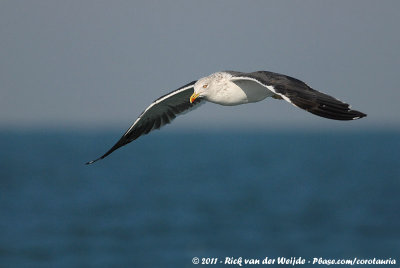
<point>193,97</point>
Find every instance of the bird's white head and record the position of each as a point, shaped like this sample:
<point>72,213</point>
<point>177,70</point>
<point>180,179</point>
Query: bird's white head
<point>208,86</point>
<point>202,88</point>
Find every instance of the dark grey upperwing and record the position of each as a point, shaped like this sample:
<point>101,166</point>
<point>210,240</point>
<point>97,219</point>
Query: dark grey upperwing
<point>301,95</point>
<point>161,112</point>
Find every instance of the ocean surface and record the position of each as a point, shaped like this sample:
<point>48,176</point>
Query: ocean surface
<point>170,197</point>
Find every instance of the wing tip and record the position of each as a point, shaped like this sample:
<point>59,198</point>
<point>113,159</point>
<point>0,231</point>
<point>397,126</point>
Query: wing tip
<point>359,115</point>
<point>92,161</point>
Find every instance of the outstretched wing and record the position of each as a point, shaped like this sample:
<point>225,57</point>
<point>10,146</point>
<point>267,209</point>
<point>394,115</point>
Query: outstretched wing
<point>161,112</point>
<point>301,95</point>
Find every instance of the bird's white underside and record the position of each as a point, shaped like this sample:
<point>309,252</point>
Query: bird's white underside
<point>240,92</point>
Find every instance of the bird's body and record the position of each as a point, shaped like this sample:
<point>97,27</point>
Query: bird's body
<point>233,88</point>
<point>226,91</point>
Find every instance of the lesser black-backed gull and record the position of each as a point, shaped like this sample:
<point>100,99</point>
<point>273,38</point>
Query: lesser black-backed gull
<point>234,88</point>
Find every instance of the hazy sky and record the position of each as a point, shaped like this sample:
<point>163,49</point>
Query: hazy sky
<point>101,63</point>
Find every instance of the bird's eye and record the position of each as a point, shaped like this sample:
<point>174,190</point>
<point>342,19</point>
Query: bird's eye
<point>205,86</point>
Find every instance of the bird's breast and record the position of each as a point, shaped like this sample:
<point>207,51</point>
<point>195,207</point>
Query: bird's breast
<point>238,92</point>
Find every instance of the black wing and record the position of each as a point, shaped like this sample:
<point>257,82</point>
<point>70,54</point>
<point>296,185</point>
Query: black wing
<point>301,95</point>
<point>161,112</point>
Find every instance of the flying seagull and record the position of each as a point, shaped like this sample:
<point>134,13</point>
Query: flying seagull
<point>234,88</point>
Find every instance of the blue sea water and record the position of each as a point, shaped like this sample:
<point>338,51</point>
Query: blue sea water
<point>169,197</point>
